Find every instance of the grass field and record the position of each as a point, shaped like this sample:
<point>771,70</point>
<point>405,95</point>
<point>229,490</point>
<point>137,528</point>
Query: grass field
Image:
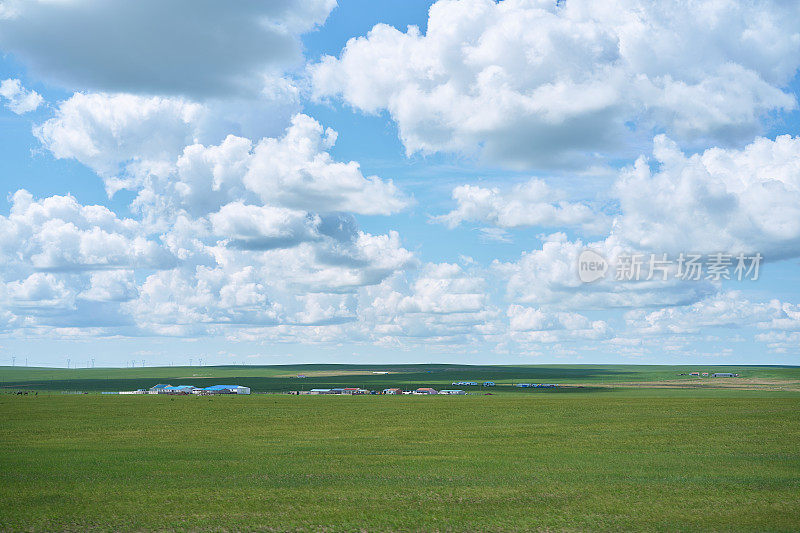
<point>586,459</point>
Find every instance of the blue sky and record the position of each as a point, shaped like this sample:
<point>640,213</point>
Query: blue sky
<point>187,197</point>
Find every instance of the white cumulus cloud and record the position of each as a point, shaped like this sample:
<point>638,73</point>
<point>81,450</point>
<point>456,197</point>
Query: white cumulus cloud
<point>59,234</point>
<point>19,99</point>
<point>732,201</point>
<point>152,145</point>
<point>533,203</point>
<point>535,325</point>
<point>544,82</point>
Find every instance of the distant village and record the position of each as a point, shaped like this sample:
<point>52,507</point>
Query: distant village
<point>714,375</point>
<point>163,388</point>
<point>419,391</point>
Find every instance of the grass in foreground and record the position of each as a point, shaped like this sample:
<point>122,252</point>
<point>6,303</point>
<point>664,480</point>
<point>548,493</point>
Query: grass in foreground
<point>547,462</point>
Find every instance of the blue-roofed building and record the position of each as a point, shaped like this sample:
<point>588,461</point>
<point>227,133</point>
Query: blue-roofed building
<point>226,389</point>
<point>162,388</point>
<point>180,389</point>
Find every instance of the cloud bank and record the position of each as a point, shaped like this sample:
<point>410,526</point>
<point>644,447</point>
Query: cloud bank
<point>589,79</point>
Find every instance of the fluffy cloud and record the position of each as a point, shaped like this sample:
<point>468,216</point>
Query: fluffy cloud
<point>19,99</point>
<point>726,309</point>
<point>295,171</point>
<point>778,322</point>
<point>66,303</point>
<point>534,325</point>
<point>111,286</point>
<point>533,319</point>
<point>59,234</point>
<point>181,302</point>
<point>720,200</point>
<point>549,276</point>
<point>445,288</point>
<point>230,236</point>
<point>338,264</point>
<point>109,132</point>
<point>786,317</point>
<point>68,265</point>
<point>264,227</point>
<point>309,283</point>
<point>200,49</point>
<point>444,304</point>
<point>533,203</point>
<point>587,79</point>
<point>780,341</point>
<point>151,145</point>
<point>39,290</point>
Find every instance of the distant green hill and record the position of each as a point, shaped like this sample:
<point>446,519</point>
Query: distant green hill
<point>281,378</point>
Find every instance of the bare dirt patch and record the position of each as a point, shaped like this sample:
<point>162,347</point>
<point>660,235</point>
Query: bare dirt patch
<point>707,383</point>
<point>328,373</point>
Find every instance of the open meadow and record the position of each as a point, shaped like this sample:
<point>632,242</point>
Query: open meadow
<point>601,458</point>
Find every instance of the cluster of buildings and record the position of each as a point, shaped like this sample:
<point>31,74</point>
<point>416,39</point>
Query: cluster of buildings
<point>421,390</point>
<point>346,390</point>
<point>162,388</point>
<point>714,375</point>
<point>355,390</point>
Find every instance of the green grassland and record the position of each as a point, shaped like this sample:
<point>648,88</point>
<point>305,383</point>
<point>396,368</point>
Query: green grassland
<point>594,458</point>
<point>283,378</point>
<point>513,462</point>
